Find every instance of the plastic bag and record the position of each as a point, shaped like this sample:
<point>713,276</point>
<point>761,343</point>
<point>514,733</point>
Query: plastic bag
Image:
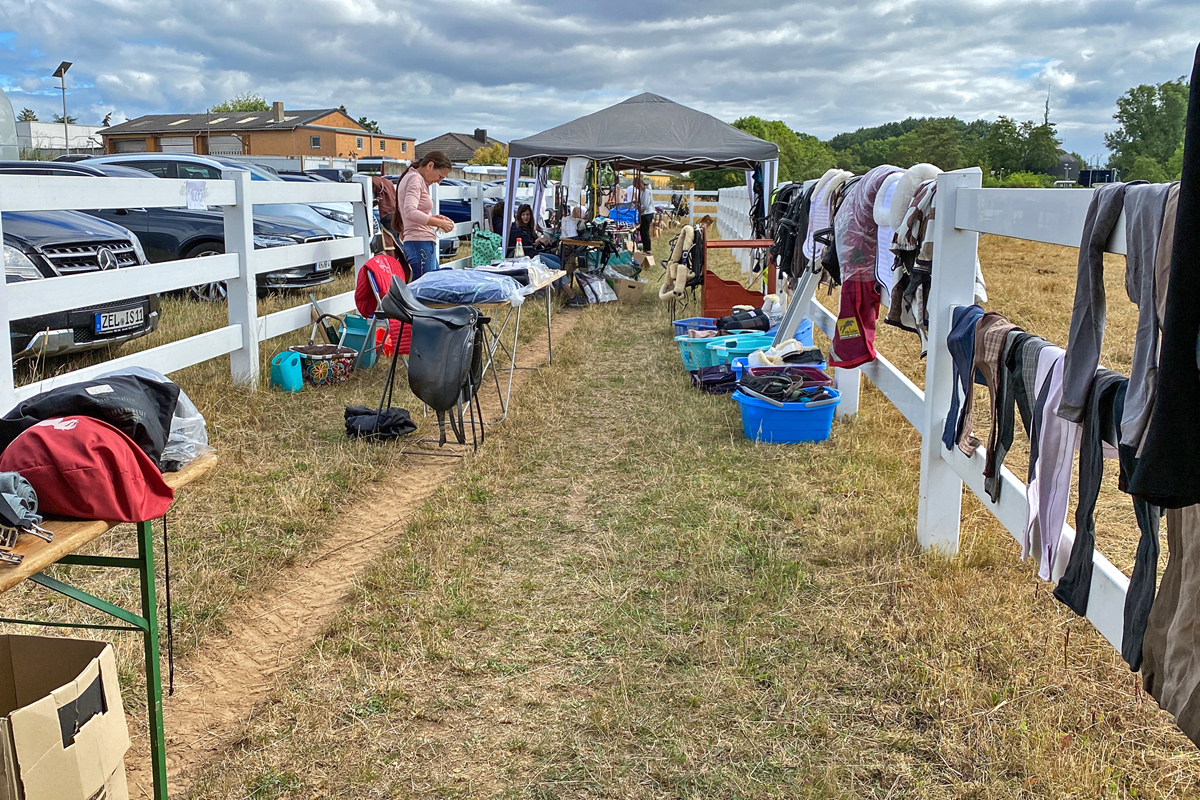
<point>466,287</point>
<point>596,289</point>
<point>188,438</point>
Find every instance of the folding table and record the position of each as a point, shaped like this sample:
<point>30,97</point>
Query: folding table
<point>69,537</point>
<point>495,334</point>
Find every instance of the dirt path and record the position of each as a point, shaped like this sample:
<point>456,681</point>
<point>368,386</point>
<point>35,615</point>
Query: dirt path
<point>218,687</point>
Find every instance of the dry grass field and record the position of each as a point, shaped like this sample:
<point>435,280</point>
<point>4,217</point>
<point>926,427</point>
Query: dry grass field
<point>622,597</point>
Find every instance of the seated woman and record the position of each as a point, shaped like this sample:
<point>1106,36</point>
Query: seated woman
<point>533,243</point>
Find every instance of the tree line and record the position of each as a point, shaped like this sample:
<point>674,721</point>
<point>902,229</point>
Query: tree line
<point>1146,145</point>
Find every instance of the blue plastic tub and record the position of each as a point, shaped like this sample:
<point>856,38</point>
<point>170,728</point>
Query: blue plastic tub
<point>794,423</point>
<point>682,326</point>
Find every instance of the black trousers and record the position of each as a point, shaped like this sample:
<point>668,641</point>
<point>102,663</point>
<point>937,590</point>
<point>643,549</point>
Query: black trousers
<point>644,226</point>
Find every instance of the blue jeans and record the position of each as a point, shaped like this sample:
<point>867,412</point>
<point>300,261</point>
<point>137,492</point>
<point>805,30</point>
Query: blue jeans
<point>422,257</point>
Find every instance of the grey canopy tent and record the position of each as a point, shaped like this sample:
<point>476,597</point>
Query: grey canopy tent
<point>644,132</point>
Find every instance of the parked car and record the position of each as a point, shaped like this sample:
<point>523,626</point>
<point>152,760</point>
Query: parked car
<point>335,218</point>
<point>49,244</point>
<point>169,234</point>
<point>301,177</point>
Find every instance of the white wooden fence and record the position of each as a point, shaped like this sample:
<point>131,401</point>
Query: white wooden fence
<point>700,201</point>
<point>964,210</point>
<point>235,194</point>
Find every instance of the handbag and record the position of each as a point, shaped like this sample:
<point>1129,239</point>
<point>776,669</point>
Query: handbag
<point>325,364</point>
<point>485,247</point>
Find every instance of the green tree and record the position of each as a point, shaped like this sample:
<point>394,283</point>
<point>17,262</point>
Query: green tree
<point>70,120</point>
<point>801,156</point>
<point>27,115</point>
<point>369,124</point>
<point>710,180</point>
<point>491,154</point>
<point>1175,164</point>
<point>1145,168</point>
<point>934,141</point>
<point>247,101</point>
<point>1150,122</point>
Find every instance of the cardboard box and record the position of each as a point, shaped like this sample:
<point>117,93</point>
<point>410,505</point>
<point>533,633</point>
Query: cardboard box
<point>63,732</point>
<point>644,260</point>
<point>628,292</point>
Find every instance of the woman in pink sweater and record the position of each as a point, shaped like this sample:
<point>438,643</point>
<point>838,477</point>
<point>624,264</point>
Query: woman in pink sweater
<point>420,234</point>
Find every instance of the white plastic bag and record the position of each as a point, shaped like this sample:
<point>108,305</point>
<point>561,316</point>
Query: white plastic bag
<point>188,439</point>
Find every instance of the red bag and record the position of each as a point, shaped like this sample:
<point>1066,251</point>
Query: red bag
<point>83,467</point>
<point>383,268</point>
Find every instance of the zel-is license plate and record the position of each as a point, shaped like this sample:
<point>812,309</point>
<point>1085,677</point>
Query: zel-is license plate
<point>120,319</point>
<point>323,266</point>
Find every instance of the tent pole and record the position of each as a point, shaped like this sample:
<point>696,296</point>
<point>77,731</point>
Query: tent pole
<point>510,197</point>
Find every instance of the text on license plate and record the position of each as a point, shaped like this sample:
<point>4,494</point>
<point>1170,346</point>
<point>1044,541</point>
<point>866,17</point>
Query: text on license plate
<point>119,320</point>
<point>323,266</point>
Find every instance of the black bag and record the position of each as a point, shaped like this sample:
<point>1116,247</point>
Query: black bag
<point>137,406</point>
<point>753,320</point>
<point>361,423</point>
<point>715,380</point>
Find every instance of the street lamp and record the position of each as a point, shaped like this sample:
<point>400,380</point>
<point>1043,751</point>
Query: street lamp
<point>61,74</point>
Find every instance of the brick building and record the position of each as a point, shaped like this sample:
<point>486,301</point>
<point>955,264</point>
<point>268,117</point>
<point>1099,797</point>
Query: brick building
<point>320,132</point>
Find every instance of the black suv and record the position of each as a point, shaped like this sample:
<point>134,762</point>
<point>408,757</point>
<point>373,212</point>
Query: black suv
<point>169,234</point>
<point>51,244</point>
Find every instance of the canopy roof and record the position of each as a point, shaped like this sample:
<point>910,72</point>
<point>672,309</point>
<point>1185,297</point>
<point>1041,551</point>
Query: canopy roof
<point>647,132</point>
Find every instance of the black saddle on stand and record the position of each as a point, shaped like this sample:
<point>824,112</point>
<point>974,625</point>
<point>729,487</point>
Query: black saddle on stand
<point>445,362</point>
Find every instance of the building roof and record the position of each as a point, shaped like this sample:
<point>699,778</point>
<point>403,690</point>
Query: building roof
<point>230,121</point>
<point>458,147</point>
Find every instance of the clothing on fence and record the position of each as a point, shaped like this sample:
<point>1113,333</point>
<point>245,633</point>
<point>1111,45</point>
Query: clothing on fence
<point>1101,423</point>
<point>1139,597</point>
<point>1171,646</point>
<point>1088,313</point>
<point>1053,442</point>
<point>1144,208</point>
<point>961,344</point>
<point>856,234</point>
<point>1004,395</point>
<point>1162,256</point>
<point>1168,471</point>
<point>990,335</point>
<point>818,214</point>
<point>885,260</point>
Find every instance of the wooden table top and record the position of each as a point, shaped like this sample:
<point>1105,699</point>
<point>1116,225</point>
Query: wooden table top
<point>72,534</point>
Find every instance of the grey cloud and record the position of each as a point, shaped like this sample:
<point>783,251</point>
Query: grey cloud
<point>518,67</point>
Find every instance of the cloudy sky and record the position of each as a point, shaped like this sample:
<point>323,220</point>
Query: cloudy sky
<point>518,66</point>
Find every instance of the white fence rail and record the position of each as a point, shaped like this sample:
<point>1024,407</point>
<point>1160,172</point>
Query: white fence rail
<point>699,201</point>
<point>235,194</point>
<point>964,210</point>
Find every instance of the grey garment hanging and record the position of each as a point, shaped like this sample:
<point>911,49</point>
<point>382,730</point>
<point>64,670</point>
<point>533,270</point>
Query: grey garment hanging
<point>1088,313</point>
<point>18,502</point>
<point>1144,208</point>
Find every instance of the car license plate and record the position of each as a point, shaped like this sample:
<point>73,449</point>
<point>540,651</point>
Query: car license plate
<point>120,319</point>
<point>323,266</point>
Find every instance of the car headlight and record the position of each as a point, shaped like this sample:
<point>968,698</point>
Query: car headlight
<point>266,240</point>
<point>137,249</point>
<point>335,215</point>
<point>18,265</point>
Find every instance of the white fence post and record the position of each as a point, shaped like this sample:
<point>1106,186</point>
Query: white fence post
<point>477,204</point>
<point>848,382</point>
<point>437,232</point>
<point>362,219</point>
<point>691,206</point>
<point>939,502</point>
<point>242,290</point>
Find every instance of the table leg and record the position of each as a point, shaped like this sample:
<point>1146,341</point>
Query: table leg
<point>158,747</point>
<point>549,330</point>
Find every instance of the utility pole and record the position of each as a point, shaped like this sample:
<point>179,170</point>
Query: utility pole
<point>61,74</point>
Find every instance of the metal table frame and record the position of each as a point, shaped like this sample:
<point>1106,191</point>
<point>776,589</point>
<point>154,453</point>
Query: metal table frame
<point>145,622</point>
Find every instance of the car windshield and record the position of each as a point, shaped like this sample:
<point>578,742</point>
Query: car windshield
<point>257,173</point>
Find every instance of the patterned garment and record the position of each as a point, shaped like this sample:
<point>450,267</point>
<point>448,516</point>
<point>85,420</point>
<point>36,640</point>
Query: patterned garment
<point>990,336</point>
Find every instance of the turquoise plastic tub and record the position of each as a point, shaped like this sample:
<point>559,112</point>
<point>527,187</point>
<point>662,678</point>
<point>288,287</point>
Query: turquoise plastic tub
<point>356,334</point>
<point>694,352</point>
<point>792,424</point>
<point>286,373</point>
<point>725,348</point>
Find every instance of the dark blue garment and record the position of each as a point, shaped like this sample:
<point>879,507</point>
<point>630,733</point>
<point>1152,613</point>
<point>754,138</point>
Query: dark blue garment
<point>961,344</point>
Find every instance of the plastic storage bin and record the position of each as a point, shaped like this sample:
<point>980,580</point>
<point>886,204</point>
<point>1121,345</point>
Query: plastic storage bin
<point>794,423</point>
<point>694,352</point>
<point>356,334</point>
<point>726,348</point>
<point>812,374</point>
<point>682,326</point>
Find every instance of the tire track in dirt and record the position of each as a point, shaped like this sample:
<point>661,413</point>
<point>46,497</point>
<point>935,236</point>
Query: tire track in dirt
<point>218,687</point>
